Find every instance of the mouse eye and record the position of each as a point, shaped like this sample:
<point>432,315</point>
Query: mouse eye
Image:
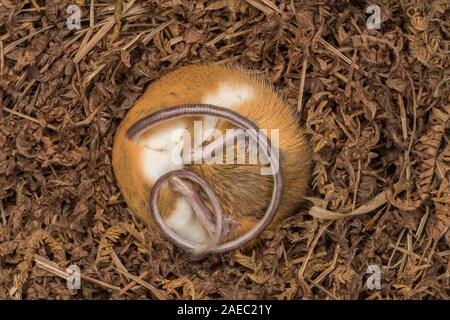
<point>155,148</point>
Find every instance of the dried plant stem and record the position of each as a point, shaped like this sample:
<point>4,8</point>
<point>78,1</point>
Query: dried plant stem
<point>322,288</point>
<point>395,248</point>
<point>341,55</point>
<point>14,44</point>
<point>36,5</point>
<point>86,48</point>
<point>2,211</point>
<point>355,191</point>
<point>302,85</point>
<point>406,252</point>
<point>268,9</point>
<point>261,5</point>
<point>322,276</point>
<point>311,249</point>
<point>373,204</point>
<point>132,283</point>
<point>121,268</point>
<point>19,114</point>
<point>52,268</point>
<point>2,59</point>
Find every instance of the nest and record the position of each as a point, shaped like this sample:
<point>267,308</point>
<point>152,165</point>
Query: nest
<point>375,104</point>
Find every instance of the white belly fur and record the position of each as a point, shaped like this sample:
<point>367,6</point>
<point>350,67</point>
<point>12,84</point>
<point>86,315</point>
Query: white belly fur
<point>185,223</point>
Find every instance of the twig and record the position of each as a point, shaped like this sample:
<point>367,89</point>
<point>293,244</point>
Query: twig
<point>355,192</point>
<point>302,259</point>
<point>84,50</point>
<point>19,114</point>
<point>2,211</point>
<point>92,75</point>
<point>422,223</point>
<point>396,246</point>
<point>439,85</point>
<point>371,205</point>
<point>155,31</point>
<point>262,7</point>
<point>53,268</point>
<point>340,55</point>
<point>271,5</point>
<point>2,59</point>
<point>322,288</point>
<point>302,85</point>
<point>36,5</point>
<point>12,45</point>
<point>387,43</point>
<point>121,268</point>
<point>311,248</point>
<point>322,276</point>
<point>267,10</point>
<point>325,214</point>
<point>413,132</point>
<point>407,252</point>
<point>225,34</point>
<point>132,283</point>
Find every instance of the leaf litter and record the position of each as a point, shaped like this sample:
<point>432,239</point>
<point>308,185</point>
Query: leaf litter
<point>375,104</point>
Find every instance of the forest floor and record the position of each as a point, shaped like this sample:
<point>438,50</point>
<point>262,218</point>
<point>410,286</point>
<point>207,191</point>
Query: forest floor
<point>375,104</point>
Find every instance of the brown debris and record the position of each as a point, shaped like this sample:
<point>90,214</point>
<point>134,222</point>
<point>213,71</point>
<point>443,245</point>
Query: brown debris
<point>376,104</point>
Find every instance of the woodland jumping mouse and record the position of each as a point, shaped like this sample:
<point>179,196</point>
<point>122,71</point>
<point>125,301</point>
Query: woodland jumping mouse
<point>143,154</point>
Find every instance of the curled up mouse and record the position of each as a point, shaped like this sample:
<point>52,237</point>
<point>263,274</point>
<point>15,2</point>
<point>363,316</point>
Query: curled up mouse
<point>211,156</point>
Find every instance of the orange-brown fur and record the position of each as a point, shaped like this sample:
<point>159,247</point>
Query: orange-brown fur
<point>242,190</point>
